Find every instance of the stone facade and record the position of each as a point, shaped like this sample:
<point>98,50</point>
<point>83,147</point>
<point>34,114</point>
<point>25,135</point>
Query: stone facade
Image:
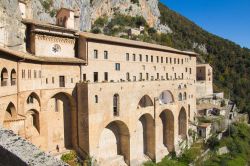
<point>119,101</point>
<point>204,84</point>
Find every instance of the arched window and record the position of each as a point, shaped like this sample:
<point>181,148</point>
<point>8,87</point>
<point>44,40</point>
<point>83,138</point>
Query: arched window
<point>145,101</point>
<point>116,105</point>
<point>13,77</point>
<point>4,77</point>
<point>33,98</point>
<point>166,97</point>
<point>96,99</point>
<point>180,97</point>
<point>184,96</point>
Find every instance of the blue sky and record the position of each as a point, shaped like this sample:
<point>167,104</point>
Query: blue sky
<point>229,19</point>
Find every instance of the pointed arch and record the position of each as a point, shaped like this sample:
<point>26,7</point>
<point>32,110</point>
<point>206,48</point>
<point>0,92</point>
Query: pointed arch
<point>114,141</point>
<point>4,77</point>
<point>182,123</point>
<point>13,77</point>
<point>10,112</point>
<point>145,101</point>
<point>166,97</point>
<point>148,135</point>
<point>32,97</point>
<point>167,119</point>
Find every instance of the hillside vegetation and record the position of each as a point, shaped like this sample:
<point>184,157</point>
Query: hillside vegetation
<point>230,62</point>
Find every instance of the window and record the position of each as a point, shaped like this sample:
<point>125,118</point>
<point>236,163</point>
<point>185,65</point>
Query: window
<point>146,58</point>
<point>186,69</point>
<point>152,59</point>
<point>167,76</point>
<point>175,77</point>
<point>184,96</point>
<point>174,60</point>
<point>61,81</point>
<point>105,54</point>
<point>147,76</point>
<point>127,56</point>
<point>116,104</point>
<point>127,77</point>
<point>53,80</point>
<point>13,77</point>
<point>106,76</point>
<point>157,59</point>
<point>170,59</point>
<point>166,59</point>
<point>96,99</point>
<point>190,70</point>
<point>95,54</point>
<point>161,59</point>
<point>40,74</point>
<point>23,73</point>
<point>180,97</point>
<point>140,76</point>
<point>134,78</point>
<point>47,81</point>
<point>72,80</point>
<point>181,61</point>
<point>178,61</point>
<point>30,100</point>
<point>182,76</point>
<point>134,57</point>
<point>34,73</point>
<point>140,56</point>
<point>84,77</point>
<point>117,66</point>
<point>95,76</point>
<point>157,76</point>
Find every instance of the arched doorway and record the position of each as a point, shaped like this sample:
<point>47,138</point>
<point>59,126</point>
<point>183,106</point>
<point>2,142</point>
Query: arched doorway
<point>182,123</point>
<point>146,137</point>
<point>167,119</point>
<point>114,146</point>
<point>60,125</point>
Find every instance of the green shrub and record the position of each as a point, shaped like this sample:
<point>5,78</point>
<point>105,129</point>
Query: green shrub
<point>213,143</point>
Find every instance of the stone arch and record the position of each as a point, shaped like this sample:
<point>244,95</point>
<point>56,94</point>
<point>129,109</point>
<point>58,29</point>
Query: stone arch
<point>114,144</point>
<point>148,136</point>
<point>32,122</point>
<point>145,101</point>
<point>166,97</point>
<point>10,112</point>
<point>32,98</point>
<point>13,77</point>
<point>167,119</point>
<point>4,77</point>
<point>182,123</point>
<point>62,108</point>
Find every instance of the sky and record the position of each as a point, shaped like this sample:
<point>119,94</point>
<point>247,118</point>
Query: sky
<point>229,19</point>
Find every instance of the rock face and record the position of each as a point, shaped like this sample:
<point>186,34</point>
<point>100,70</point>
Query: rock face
<point>16,151</point>
<point>12,30</point>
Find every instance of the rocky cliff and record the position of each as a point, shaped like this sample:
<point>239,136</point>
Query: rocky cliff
<point>12,31</point>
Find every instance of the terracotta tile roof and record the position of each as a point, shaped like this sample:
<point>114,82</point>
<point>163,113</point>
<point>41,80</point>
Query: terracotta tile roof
<point>27,56</point>
<point>106,38</point>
